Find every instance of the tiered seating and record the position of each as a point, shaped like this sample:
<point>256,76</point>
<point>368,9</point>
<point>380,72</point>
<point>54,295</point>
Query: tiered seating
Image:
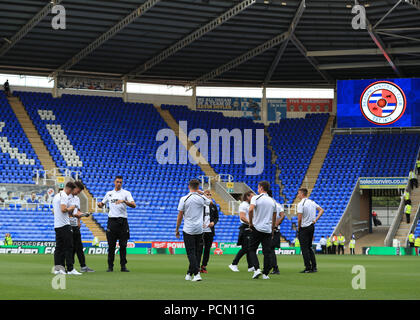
<point>354,156</point>
<point>159,225</point>
<point>295,141</point>
<point>17,158</point>
<point>214,120</point>
<point>417,231</point>
<point>32,225</point>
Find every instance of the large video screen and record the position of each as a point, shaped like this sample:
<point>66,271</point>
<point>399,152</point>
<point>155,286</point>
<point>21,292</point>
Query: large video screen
<point>378,103</point>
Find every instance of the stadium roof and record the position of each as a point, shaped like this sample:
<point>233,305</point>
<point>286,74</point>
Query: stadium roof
<point>213,42</point>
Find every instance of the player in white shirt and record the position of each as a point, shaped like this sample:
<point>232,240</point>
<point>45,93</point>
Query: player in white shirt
<point>244,233</point>
<point>117,227</point>
<point>75,217</point>
<point>191,208</point>
<point>275,243</point>
<point>323,244</point>
<point>262,220</point>
<point>63,254</point>
<point>306,227</point>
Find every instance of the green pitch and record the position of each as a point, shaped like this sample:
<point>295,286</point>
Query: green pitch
<point>162,277</point>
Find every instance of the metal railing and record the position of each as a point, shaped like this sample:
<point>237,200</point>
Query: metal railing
<point>224,177</point>
<point>398,217</point>
<point>203,181</point>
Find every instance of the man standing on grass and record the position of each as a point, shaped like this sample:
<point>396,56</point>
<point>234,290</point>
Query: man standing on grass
<point>244,236</point>
<point>262,220</point>
<point>275,242</point>
<point>63,254</point>
<point>191,208</point>
<point>306,227</point>
<point>75,225</point>
<point>211,217</point>
<point>117,228</point>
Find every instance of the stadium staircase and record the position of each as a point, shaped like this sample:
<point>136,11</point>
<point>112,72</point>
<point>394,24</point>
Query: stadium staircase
<point>404,228</point>
<point>274,162</point>
<point>46,159</point>
<point>318,159</point>
<point>32,134</point>
<point>202,163</point>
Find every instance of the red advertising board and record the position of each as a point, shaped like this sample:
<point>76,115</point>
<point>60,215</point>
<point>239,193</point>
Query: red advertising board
<point>309,105</point>
<point>175,244</point>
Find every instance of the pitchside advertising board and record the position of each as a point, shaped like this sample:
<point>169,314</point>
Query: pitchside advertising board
<point>378,103</point>
<point>161,247</point>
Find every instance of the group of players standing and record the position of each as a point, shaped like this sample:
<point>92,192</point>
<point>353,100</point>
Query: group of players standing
<point>260,217</point>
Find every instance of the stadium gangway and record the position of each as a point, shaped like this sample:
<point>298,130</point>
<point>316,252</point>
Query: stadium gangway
<point>395,225</point>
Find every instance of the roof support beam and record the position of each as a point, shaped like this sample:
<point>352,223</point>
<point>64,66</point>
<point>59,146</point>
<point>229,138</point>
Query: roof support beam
<point>414,3</point>
<point>358,65</point>
<point>387,14</point>
<point>283,46</point>
<point>398,36</point>
<point>279,39</point>
<point>191,38</point>
<point>28,26</point>
<point>380,44</point>
<point>141,10</point>
<point>353,52</point>
<point>311,60</point>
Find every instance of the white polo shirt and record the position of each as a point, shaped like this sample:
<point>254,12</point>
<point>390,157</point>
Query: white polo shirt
<point>74,200</point>
<point>244,207</point>
<point>323,242</point>
<point>263,212</point>
<point>307,208</point>
<point>279,208</point>
<point>206,219</point>
<point>61,219</point>
<point>117,210</point>
<point>193,205</point>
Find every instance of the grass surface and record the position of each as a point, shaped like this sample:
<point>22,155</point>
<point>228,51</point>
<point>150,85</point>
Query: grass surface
<point>162,277</point>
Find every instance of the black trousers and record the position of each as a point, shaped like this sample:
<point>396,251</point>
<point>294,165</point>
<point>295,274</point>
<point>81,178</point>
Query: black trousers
<point>205,242</point>
<point>340,248</point>
<point>265,240</point>
<point>275,243</point>
<point>407,216</point>
<point>351,250</point>
<point>63,254</point>
<point>414,182</point>
<point>329,249</point>
<point>117,229</point>
<point>334,249</point>
<point>324,249</point>
<point>78,247</point>
<point>192,246</point>
<point>305,236</point>
<point>244,240</point>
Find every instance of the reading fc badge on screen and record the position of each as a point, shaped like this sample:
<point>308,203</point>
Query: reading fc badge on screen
<point>383,103</point>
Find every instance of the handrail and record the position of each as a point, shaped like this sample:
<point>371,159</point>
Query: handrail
<point>346,212</point>
<point>219,177</point>
<point>397,219</point>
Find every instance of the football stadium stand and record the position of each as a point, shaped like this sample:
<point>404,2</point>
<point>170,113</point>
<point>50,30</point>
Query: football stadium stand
<point>17,158</point>
<point>128,131</point>
<point>32,224</point>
